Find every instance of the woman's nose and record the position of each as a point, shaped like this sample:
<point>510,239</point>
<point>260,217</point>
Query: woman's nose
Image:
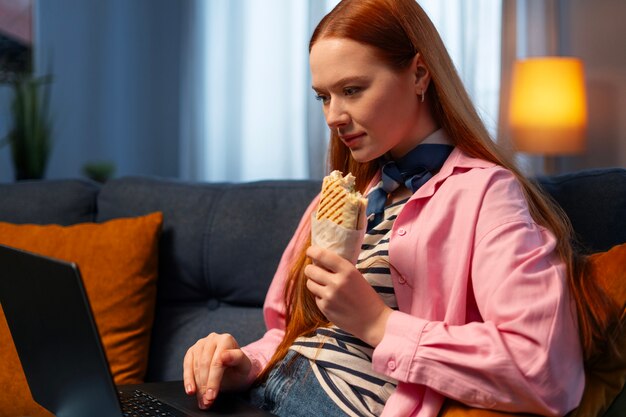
<point>336,115</point>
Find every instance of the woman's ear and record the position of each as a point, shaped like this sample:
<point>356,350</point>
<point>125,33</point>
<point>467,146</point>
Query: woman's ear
<point>422,75</point>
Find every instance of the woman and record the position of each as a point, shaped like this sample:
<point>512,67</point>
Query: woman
<point>465,281</point>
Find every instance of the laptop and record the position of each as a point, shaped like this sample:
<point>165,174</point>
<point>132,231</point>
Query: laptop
<point>58,344</point>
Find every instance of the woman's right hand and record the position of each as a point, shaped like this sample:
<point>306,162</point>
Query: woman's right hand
<point>213,363</point>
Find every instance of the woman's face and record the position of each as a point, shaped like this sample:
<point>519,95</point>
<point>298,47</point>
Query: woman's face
<point>373,108</point>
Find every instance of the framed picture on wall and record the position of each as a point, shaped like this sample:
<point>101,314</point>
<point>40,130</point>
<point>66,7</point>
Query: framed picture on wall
<point>16,38</point>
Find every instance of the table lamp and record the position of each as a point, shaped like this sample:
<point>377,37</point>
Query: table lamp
<point>548,108</point>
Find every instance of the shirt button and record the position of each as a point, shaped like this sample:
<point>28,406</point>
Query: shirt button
<point>401,280</point>
<point>392,365</point>
<point>401,232</point>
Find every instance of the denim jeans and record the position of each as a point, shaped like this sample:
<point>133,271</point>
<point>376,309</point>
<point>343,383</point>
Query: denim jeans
<point>292,390</point>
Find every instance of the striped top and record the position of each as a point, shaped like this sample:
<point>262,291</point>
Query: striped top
<point>341,362</point>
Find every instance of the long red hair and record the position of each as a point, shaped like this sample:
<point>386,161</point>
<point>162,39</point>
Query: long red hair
<point>398,30</point>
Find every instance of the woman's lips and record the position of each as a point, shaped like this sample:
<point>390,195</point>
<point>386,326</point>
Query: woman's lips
<point>351,140</point>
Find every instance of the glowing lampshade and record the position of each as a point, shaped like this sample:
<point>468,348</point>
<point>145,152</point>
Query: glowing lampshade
<point>548,109</point>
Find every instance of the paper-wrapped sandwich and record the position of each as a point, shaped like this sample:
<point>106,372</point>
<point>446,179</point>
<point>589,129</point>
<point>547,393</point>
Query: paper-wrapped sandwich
<point>339,202</point>
<point>339,223</point>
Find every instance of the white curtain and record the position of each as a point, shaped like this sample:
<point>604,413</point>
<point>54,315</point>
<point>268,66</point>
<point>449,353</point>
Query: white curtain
<point>248,90</point>
<point>248,110</point>
<point>471,33</point>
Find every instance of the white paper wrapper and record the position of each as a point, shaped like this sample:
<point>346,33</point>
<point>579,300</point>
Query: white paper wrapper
<point>344,242</point>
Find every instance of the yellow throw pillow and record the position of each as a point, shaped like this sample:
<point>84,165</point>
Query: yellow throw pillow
<point>605,380</point>
<point>118,263</point>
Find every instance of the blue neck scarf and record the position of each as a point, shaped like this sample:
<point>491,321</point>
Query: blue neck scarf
<point>412,171</point>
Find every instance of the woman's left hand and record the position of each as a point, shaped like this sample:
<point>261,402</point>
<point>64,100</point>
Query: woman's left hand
<point>345,297</point>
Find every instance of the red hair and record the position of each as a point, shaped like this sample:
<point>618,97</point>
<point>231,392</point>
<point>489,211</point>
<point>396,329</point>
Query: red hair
<point>398,30</point>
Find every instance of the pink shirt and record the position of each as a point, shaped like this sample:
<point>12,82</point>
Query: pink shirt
<point>485,313</point>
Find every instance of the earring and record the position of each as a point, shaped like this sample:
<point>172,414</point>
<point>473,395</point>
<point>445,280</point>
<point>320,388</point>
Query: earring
<point>422,99</point>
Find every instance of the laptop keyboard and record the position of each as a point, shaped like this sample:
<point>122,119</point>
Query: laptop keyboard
<point>141,404</point>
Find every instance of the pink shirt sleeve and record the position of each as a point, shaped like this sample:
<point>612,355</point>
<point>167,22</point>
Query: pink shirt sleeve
<point>261,351</point>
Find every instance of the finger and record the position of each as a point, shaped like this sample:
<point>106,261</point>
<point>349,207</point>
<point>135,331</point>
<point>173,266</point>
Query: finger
<point>216,373</point>
<point>318,292</point>
<point>315,288</point>
<point>239,367</point>
<point>188,374</point>
<point>316,274</point>
<point>203,369</point>
<point>326,258</point>
<point>232,357</point>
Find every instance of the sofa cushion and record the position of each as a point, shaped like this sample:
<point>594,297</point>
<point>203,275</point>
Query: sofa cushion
<point>62,202</point>
<point>595,202</point>
<point>118,262</point>
<point>210,228</point>
<point>251,222</point>
<point>185,208</point>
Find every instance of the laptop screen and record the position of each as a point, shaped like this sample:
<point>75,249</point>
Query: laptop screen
<point>55,335</point>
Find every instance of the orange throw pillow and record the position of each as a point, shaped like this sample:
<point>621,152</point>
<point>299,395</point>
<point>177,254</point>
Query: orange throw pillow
<point>605,380</point>
<point>118,263</point>
<point>456,409</point>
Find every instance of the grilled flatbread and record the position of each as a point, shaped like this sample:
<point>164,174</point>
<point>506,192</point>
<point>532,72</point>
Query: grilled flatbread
<point>339,202</point>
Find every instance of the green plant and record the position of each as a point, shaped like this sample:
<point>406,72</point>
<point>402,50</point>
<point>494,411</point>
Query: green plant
<point>99,171</point>
<point>29,137</point>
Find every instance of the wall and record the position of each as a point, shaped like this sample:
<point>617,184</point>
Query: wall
<point>115,94</point>
<point>595,32</point>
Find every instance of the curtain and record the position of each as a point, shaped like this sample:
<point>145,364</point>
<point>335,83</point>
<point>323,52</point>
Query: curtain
<point>471,33</point>
<point>529,28</point>
<point>248,111</point>
<point>247,114</point>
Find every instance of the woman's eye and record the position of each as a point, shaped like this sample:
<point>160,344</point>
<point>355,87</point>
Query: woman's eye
<point>320,97</point>
<point>350,91</point>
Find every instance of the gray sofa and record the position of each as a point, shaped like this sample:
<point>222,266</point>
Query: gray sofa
<point>221,243</point>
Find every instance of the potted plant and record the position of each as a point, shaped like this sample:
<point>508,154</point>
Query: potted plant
<point>29,137</point>
<point>100,171</point>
